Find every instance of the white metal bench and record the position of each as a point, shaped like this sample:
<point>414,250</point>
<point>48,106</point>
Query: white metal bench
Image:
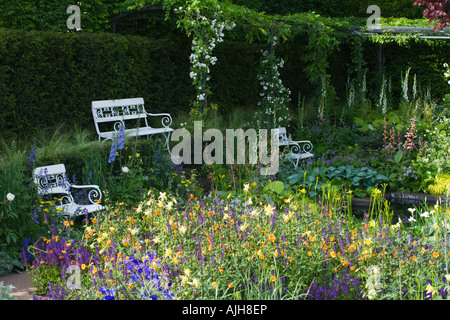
<point>298,150</point>
<point>52,180</point>
<point>110,115</point>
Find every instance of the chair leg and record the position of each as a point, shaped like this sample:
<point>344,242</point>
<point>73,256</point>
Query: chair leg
<point>167,141</point>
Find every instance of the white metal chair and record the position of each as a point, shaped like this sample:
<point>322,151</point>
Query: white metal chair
<point>52,180</point>
<point>298,150</point>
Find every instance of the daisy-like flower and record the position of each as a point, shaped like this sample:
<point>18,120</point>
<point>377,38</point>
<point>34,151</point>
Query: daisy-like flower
<point>430,289</point>
<point>426,214</point>
<point>411,219</point>
<point>268,210</point>
<point>182,229</point>
<point>246,187</point>
<point>162,196</point>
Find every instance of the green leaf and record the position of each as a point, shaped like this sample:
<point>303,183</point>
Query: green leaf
<point>275,186</point>
<point>398,156</point>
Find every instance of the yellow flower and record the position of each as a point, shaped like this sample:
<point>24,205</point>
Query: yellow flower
<point>137,155</point>
<point>214,284</point>
<point>268,210</point>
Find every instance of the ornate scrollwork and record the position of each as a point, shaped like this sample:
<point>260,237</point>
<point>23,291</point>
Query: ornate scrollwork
<point>118,125</point>
<point>66,199</point>
<point>94,194</point>
<point>43,182</point>
<point>307,146</point>
<point>166,121</point>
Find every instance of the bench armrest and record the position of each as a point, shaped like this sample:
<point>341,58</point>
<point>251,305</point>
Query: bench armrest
<point>166,120</point>
<point>300,146</point>
<point>93,195</point>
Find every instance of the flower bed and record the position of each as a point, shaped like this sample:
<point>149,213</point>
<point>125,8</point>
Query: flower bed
<point>243,247</point>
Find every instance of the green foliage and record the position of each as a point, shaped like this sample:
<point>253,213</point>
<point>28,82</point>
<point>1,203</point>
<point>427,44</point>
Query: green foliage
<point>7,264</point>
<point>5,292</point>
<point>348,177</point>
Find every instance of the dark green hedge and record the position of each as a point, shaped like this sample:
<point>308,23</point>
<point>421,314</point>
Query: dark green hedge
<point>49,77</point>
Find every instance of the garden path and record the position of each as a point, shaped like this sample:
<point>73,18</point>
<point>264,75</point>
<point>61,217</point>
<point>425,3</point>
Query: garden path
<point>21,283</point>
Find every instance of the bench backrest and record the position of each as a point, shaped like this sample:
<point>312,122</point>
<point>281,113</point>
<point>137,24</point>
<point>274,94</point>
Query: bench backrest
<point>283,139</point>
<point>51,179</point>
<point>118,111</point>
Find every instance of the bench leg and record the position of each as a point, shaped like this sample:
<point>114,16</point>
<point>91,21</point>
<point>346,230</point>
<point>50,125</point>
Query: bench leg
<point>167,141</point>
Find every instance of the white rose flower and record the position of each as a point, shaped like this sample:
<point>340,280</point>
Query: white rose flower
<point>10,197</point>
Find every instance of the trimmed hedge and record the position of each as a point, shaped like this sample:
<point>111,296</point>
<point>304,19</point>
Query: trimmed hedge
<point>47,77</point>
<point>51,77</point>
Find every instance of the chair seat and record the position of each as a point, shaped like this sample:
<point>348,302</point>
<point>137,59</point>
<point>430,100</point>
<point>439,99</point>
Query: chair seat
<point>74,210</point>
<point>303,155</point>
<point>143,131</point>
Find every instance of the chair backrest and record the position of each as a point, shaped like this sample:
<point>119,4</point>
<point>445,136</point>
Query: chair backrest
<point>118,110</point>
<point>51,179</point>
<point>283,139</point>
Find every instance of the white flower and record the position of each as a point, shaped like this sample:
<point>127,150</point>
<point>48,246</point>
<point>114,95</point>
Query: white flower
<point>162,196</point>
<point>426,214</point>
<point>246,187</point>
<point>182,229</point>
<point>125,169</point>
<point>268,210</point>
<point>10,197</point>
<point>133,231</point>
<point>195,282</point>
<point>411,219</point>
<point>156,240</point>
<point>411,210</point>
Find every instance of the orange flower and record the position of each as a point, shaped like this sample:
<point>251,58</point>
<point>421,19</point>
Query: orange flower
<point>436,255</point>
<point>66,223</point>
<point>230,285</point>
<point>273,278</point>
<point>309,253</point>
<point>220,270</point>
<point>192,196</point>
